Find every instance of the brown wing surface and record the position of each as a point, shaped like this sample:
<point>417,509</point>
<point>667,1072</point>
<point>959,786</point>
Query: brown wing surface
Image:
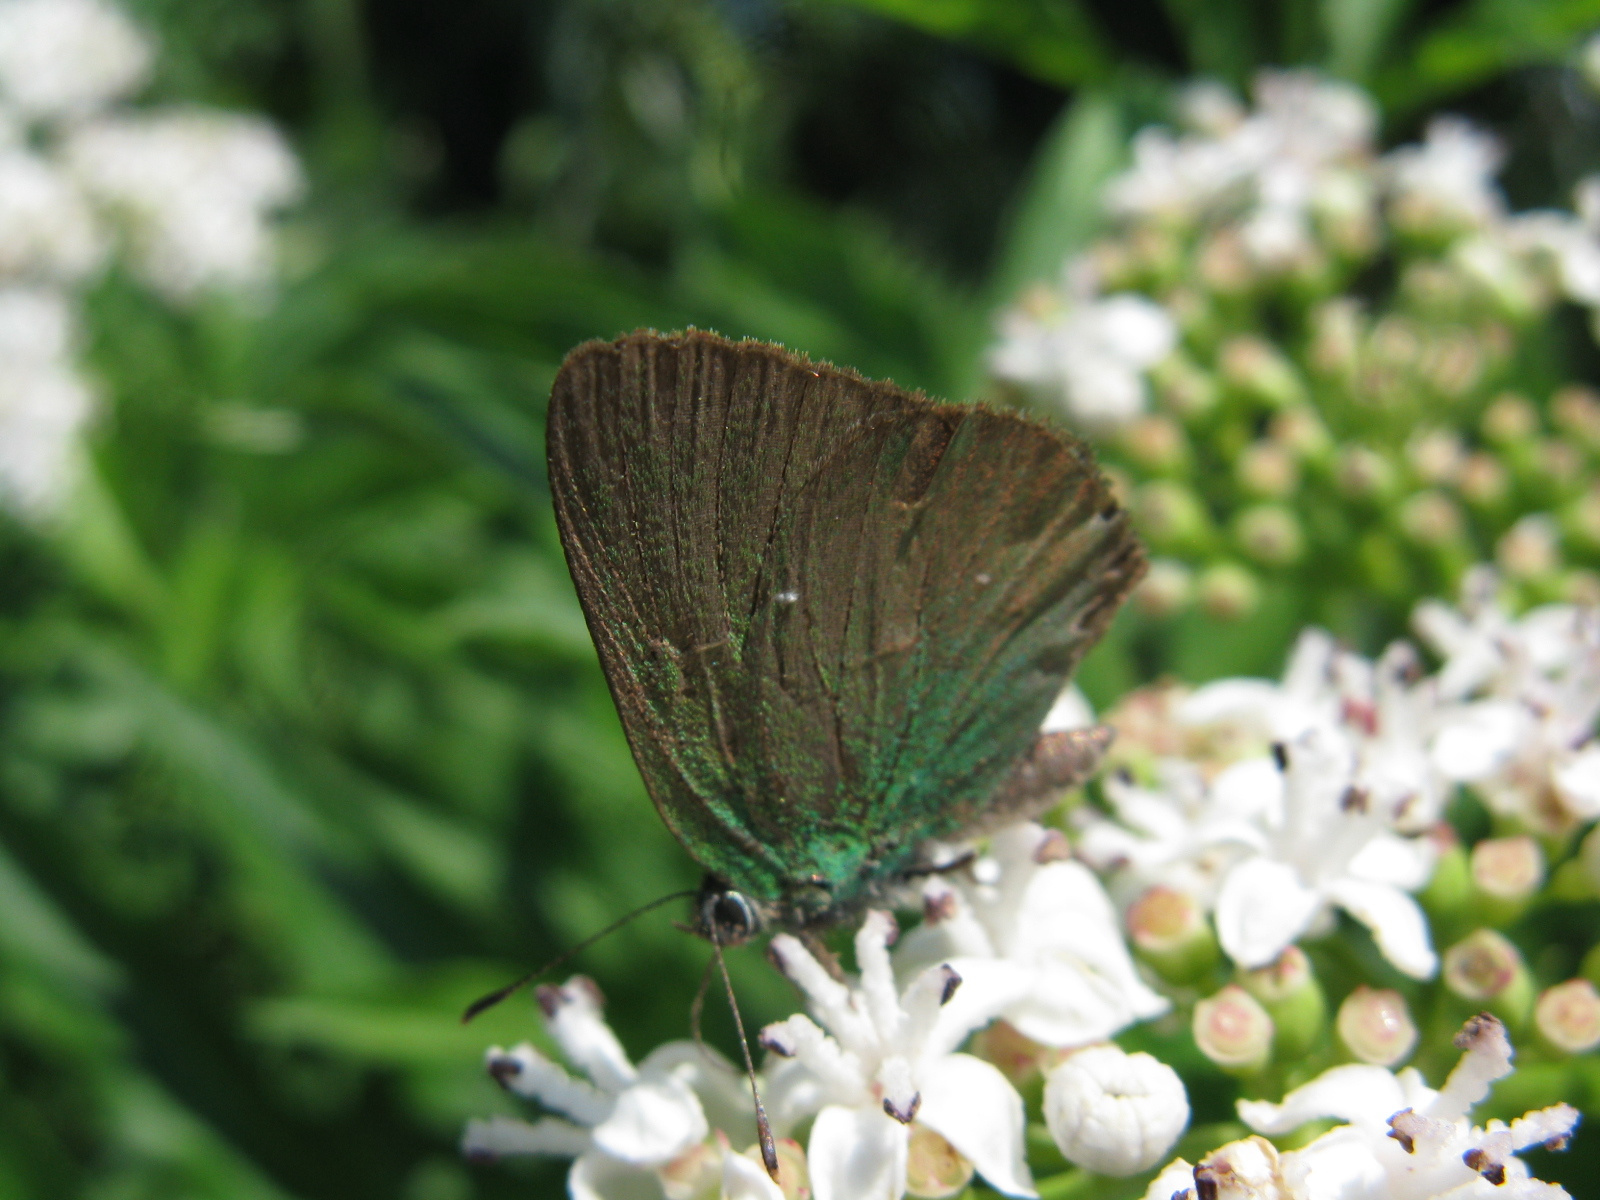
<point>832,613</point>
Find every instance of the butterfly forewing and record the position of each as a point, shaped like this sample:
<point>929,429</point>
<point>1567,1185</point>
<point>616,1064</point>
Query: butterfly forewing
<point>832,614</point>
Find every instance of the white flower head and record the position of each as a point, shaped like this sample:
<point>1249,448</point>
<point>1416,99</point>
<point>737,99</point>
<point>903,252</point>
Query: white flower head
<point>1324,847</point>
<point>1526,695</point>
<point>877,1059</point>
<point>44,401</point>
<point>1448,180</point>
<point>624,1125</point>
<point>68,58</point>
<point>1030,926</point>
<point>1088,353</point>
<point>1404,1141</point>
<point>48,232</point>
<point>1112,1112</point>
<point>194,190</point>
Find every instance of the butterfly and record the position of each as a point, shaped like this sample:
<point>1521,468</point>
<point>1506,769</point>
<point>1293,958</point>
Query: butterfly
<point>832,614</point>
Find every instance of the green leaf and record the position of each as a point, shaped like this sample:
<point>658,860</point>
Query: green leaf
<point>1358,33</point>
<point>1053,40</point>
<point>1060,208</point>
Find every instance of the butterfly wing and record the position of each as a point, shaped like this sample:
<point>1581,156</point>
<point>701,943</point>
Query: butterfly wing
<point>832,614</point>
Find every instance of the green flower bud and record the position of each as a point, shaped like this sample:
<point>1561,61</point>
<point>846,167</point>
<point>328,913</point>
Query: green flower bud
<point>1165,589</point>
<point>1567,1017</point>
<point>1258,369</point>
<point>1289,991</point>
<point>1170,932</point>
<point>1507,874</point>
<point>1227,591</point>
<point>1183,386</point>
<point>1337,332</point>
<point>1510,419</point>
<point>1576,410</point>
<point>1363,473</point>
<point>1301,431</point>
<point>1431,518</point>
<point>1436,455</point>
<point>1376,1026</point>
<point>1268,469</point>
<point>1487,970</point>
<point>1483,480</point>
<point>1170,514</point>
<point>1156,443</point>
<point>1269,534</point>
<point>1581,517</point>
<point>1224,264</point>
<point>934,1168</point>
<point>1530,549</point>
<point>1233,1030</point>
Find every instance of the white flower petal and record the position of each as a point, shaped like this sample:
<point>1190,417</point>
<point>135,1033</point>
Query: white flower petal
<point>1262,908</point>
<point>745,1180</point>
<point>857,1154</point>
<point>500,1136</point>
<point>597,1177</point>
<point>1355,1093</point>
<point>1579,783</point>
<point>1479,739</point>
<point>652,1123</point>
<point>1070,711</point>
<point>1396,921</point>
<point>1175,1182</point>
<point>1404,862</point>
<point>972,1105</point>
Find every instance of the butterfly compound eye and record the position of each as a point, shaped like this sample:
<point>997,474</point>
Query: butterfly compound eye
<point>729,917</point>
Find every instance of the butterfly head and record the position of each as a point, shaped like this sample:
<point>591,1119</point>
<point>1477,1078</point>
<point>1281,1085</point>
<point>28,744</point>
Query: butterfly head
<point>725,916</point>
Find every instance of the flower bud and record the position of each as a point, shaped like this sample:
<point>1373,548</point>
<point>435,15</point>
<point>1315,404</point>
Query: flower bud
<point>1115,1113</point>
<point>1581,518</point>
<point>1301,431</point>
<point>1018,1057</point>
<point>1580,587</point>
<point>1183,386</point>
<point>1510,419</point>
<point>1530,549</point>
<point>1170,932</point>
<point>1228,592</point>
<point>1289,991</point>
<point>1224,265</point>
<point>1155,442</point>
<point>1233,1030</point>
<point>1166,588</point>
<point>1376,1026</point>
<point>1567,1016</point>
<point>1268,469</point>
<point>1455,363</point>
<point>1431,519</point>
<point>1436,455</point>
<point>1506,874</point>
<point>1336,337</point>
<point>1269,534</point>
<point>1486,969</point>
<point>934,1168</point>
<point>1170,514</point>
<point>1576,410</point>
<point>1558,462</point>
<point>1257,368</point>
<point>1483,480</point>
<point>1363,473</point>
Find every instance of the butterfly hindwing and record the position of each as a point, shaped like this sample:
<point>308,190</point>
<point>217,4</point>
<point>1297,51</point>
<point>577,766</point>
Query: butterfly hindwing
<point>832,614</point>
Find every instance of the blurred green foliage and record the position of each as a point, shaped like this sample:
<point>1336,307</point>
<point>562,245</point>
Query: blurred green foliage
<point>302,741</point>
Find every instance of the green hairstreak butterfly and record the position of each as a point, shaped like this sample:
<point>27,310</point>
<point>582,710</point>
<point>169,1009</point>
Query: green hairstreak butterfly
<point>832,613</point>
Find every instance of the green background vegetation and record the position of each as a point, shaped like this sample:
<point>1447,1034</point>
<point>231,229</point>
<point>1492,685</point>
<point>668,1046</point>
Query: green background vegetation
<point>302,741</point>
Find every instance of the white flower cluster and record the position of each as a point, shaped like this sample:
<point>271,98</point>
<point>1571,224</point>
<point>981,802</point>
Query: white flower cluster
<point>1271,804</point>
<point>1399,1140</point>
<point>1276,190</point>
<point>1268,805</point>
<point>1026,936</point>
<point>183,195</point>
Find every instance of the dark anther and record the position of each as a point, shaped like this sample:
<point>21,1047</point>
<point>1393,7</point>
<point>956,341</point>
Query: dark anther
<point>952,981</point>
<point>1280,755</point>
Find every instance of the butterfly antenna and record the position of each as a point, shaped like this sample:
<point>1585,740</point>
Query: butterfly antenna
<point>769,1151</point>
<point>484,1003</point>
<point>698,1008</point>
